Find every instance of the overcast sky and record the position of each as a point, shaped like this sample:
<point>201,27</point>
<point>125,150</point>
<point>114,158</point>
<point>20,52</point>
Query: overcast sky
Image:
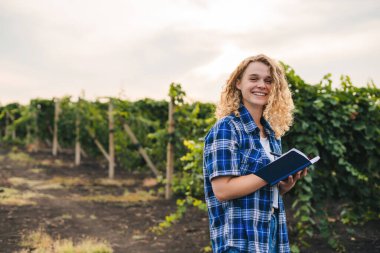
<point>135,49</point>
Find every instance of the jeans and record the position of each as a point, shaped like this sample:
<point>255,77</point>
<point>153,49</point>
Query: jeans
<point>273,244</point>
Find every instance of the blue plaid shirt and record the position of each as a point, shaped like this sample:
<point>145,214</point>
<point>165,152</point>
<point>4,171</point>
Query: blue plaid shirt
<point>233,148</point>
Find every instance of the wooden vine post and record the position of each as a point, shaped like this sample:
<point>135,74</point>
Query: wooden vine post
<point>6,133</point>
<point>77,134</point>
<point>31,127</point>
<point>97,143</point>
<point>170,152</point>
<point>110,156</point>
<point>13,128</point>
<point>55,131</point>
<point>28,136</point>
<point>36,138</point>
<point>111,145</point>
<point>176,95</point>
<point>9,130</point>
<point>141,150</point>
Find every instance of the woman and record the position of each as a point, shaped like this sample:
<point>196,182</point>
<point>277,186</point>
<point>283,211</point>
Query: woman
<point>245,213</point>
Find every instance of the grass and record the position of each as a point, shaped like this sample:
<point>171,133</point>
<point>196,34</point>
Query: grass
<point>58,182</point>
<point>115,182</point>
<point>48,186</point>
<point>78,181</point>
<point>54,183</point>
<point>54,162</point>
<point>34,184</point>
<point>40,242</point>
<point>37,170</point>
<point>66,216</point>
<point>69,181</point>
<point>19,156</point>
<point>9,196</point>
<point>126,197</point>
<point>17,181</point>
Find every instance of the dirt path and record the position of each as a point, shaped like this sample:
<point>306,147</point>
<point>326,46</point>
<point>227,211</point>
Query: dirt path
<point>76,203</point>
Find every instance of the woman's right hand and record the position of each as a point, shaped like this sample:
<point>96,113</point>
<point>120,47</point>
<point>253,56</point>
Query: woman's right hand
<point>288,184</point>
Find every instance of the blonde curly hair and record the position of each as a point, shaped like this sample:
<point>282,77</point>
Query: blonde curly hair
<point>279,110</point>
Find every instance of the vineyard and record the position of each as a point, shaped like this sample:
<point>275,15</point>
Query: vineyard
<point>126,176</point>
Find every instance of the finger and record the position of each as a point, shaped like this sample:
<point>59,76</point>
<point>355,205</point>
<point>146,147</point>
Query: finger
<point>285,181</point>
<point>290,179</point>
<point>304,173</point>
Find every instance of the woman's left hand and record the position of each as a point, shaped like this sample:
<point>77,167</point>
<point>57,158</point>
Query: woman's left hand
<point>289,183</point>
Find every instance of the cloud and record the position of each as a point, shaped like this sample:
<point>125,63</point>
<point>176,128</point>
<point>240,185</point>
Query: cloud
<point>60,47</point>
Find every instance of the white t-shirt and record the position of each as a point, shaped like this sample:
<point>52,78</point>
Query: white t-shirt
<point>266,146</point>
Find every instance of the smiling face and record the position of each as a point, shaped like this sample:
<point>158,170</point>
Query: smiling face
<point>255,85</point>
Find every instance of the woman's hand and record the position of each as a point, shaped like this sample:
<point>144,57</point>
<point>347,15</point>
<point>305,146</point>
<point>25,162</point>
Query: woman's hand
<point>289,183</point>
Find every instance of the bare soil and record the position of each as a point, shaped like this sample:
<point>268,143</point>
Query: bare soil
<point>125,225</point>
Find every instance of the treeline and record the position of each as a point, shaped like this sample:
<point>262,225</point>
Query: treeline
<point>342,125</point>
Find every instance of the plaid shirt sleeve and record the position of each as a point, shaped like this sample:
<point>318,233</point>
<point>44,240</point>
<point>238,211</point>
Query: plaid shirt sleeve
<point>221,151</point>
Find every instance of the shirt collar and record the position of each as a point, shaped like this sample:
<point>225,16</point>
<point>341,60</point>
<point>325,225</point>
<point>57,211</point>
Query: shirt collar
<point>250,125</point>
